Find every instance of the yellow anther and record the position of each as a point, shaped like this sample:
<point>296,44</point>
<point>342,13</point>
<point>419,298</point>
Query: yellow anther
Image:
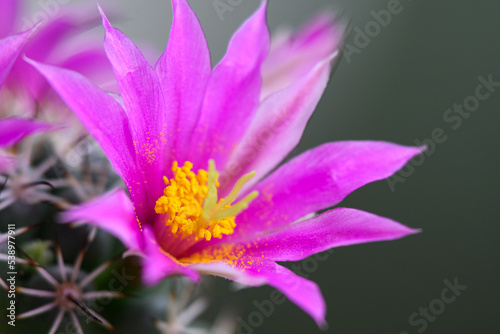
<point>191,206</point>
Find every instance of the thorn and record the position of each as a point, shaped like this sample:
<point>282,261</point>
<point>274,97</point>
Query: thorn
<point>36,293</point>
<point>37,183</point>
<point>81,254</point>
<point>28,228</point>
<point>102,294</point>
<point>84,309</point>
<point>31,262</point>
<point>4,285</point>
<point>4,184</point>
<point>41,270</point>
<point>92,234</point>
<point>60,259</point>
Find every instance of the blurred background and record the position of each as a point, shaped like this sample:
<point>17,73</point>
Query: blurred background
<point>397,86</point>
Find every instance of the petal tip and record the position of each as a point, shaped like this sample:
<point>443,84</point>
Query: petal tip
<point>405,231</point>
<point>322,324</point>
<point>34,28</point>
<point>105,21</point>
<point>263,7</point>
<point>416,231</point>
<point>422,149</point>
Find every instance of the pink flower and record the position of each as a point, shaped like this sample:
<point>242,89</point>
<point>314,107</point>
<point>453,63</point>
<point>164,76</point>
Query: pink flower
<point>25,91</point>
<point>293,55</point>
<point>183,116</point>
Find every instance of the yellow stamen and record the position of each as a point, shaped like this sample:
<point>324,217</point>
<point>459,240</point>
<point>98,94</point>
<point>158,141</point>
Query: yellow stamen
<point>191,205</point>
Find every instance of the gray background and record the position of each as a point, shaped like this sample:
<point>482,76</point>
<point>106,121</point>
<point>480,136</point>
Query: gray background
<point>397,89</point>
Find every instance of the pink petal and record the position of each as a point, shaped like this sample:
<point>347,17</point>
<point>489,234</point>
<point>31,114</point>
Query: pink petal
<point>294,55</point>
<point>65,24</point>
<point>228,271</point>
<point>53,32</point>
<point>277,127</point>
<point>93,64</point>
<point>143,99</point>
<point>183,71</point>
<point>302,292</point>
<point>113,212</point>
<point>10,48</point>
<point>255,271</point>
<point>232,95</point>
<point>334,228</point>
<point>318,179</point>
<point>158,264</point>
<point>13,130</point>
<point>104,118</point>
<point>8,15</point>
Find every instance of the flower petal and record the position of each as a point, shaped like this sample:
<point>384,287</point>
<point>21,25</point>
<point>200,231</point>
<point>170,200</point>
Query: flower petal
<point>113,212</point>
<point>104,118</point>
<point>158,264</point>
<point>59,28</point>
<point>8,15</point>
<point>228,271</point>
<point>232,95</point>
<point>304,293</point>
<point>318,179</point>
<point>45,45</point>
<point>183,70</point>
<point>13,130</point>
<point>277,127</point>
<point>143,99</point>
<point>294,55</point>
<point>93,64</point>
<point>11,47</point>
<point>334,228</point>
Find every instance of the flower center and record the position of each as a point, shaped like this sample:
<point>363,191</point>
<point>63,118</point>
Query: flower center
<point>66,294</point>
<point>191,205</point>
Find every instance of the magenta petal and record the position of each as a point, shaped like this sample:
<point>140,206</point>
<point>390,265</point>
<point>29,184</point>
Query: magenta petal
<point>104,118</point>
<point>334,228</point>
<point>113,212</point>
<point>8,15</point>
<point>10,48</point>
<point>59,27</point>
<point>143,100</point>
<point>157,264</point>
<point>100,113</point>
<point>255,271</point>
<point>92,63</point>
<point>228,271</point>
<point>304,293</point>
<point>46,44</point>
<point>232,95</point>
<point>183,71</point>
<point>318,179</point>
<point>294,55</point>
<point>13,130</point>
<point>278,126</point>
